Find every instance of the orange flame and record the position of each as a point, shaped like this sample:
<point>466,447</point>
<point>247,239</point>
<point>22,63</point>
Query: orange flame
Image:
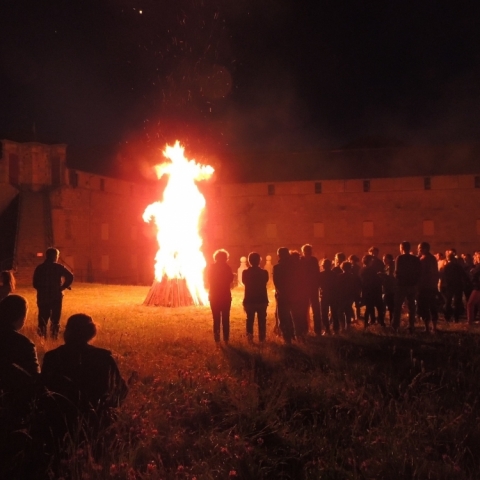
<point>177,220</point>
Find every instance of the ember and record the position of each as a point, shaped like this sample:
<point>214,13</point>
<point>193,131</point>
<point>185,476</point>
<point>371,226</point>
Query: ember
<point>179,263</point>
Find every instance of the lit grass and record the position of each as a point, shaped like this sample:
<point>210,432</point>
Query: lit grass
<point>366,405</point>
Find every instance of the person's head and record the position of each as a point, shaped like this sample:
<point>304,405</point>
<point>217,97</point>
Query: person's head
<point>307,250</point>
<point>367,260</point>
<point>388,259</point>
<point>467,258</point>
<point>353,259</point>
<point>8,279</point>
<point>80,329</point>
<point>439,256</point>
<point>476,257</point>
<point>13,312</point>
<point>373,251</point>
<point>283,253</point>
<point>346,267</point>
<point>254,259</point>
<point>450,250</point>
<point>451,257</point>
<point>405,247</point>
<point>423,248</point>
<point>339,258</point>
<point>52,254</point>
<point>295,255</point>
<point>326,264</point>
<point>221,256</point>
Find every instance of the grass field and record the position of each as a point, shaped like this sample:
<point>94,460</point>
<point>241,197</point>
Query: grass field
<point>364,405</point>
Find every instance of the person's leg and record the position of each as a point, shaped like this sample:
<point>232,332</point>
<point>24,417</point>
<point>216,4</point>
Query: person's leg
<point>472,305</point>
<point>399,297</point>
<point>457,305</point>
<point>262,322</point>
<point>411,308</point>
<point>216,321</point>
<point>43,316</point>
<point>317,317</point>
<point>55,318</point>
<point>335,319</point>
<point>348,314</point>
<point>325,307</point>
<point>250,312</point>
<point>380,309</point>
<point>285,320</point>
<point>448,296</point>
<point>226,321</point>
<point>424,307</point>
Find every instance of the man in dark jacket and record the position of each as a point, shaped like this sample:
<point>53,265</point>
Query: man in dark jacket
<point>255,300</point>
<point>407,275</point>
<point>428,287</point>
<point>454,280</point>
<point>311,268</point>
<point>282,279</point>
<point>50,279</point>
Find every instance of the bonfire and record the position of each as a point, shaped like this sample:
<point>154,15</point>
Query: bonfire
<point>179,263</point>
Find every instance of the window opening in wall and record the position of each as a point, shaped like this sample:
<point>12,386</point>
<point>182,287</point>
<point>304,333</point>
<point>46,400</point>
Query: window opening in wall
<point>427,183</point>
<point>366,185</point>
<point>102,184</point>
<point>477,181</point>
<point>271,189</point>
<point>318,187</point>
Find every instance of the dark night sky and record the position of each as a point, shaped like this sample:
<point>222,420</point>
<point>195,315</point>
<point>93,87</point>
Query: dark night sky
<point>243,74</point>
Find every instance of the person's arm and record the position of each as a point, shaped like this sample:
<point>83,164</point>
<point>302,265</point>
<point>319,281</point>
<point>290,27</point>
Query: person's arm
<point>67,278</point>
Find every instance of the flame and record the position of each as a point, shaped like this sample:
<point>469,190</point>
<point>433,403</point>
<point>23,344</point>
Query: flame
<point>177,219</point>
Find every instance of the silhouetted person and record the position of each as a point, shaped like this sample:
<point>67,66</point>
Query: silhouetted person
<point>8,283</point>
<point>282,279</point>
<point>427,287</point>
<point>220,278</point>
<point>388,286</point>
<point>19,367</point>
<point>299,296</point>
<point>310,265</point>
<point>473,304</point>
<point>50,279</point>
<point>255,300</point>
<point>337,270</point>
<point>454,281</point>
<point>326,282</point>
<point>349,288</point>
<point>19,374</point>
<point>407,275</point>
<point>371,292</point>
<point>356,267</point>
<point>377,263</point>
<point>84,383</point>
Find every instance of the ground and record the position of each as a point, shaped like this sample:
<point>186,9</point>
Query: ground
<point>362,405</point>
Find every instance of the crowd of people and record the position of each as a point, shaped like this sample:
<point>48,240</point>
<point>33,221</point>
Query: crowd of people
<point>74,394</point>
<point>346,290</point>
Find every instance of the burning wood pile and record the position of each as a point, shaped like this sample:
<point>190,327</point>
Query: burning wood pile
<point>179,263</point>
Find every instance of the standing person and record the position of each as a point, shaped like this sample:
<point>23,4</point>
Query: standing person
<point>255,300</point>
<point>455,279</point>
<point>50,279</point>
<point>388,285</point>
<point>356,267</point>
<point>282,279</point>
<point>371,283</point>
<point>473,304</point>
<point>220,278</point>
<point>310,265</point>
<point>326,282</point>
<point>299,297</point>
<point>377,263</point>
<point>8,283</point>
<point>427,287</point>
<point>407,275</point>
<point>339,258</point>
<point>349,288</point>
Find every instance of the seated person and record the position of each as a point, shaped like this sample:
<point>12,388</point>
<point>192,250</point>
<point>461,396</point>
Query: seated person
<point>85,382</point>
